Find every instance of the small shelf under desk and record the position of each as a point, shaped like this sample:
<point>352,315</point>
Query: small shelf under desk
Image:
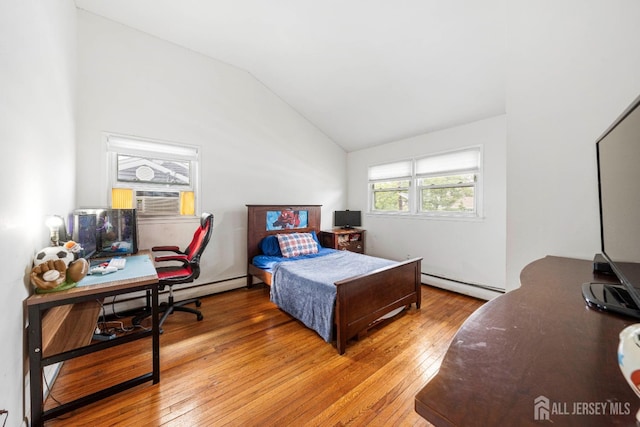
<point>65,327</point>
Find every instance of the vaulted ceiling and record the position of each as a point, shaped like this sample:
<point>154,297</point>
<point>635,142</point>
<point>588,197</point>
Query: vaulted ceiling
<point>365,72</point>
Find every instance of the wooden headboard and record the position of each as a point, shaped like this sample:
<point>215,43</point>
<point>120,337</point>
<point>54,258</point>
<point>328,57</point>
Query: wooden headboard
<point>258,228</point>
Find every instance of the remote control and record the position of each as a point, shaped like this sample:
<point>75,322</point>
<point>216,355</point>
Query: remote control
<point>118,263</point>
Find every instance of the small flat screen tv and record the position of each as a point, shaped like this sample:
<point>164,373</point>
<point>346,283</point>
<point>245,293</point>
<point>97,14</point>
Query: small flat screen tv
<point>115,231</point>
<point>618,159</point>
<point>347,219</point>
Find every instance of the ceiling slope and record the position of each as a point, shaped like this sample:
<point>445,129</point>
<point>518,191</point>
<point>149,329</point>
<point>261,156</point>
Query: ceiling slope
<point>364,72</point>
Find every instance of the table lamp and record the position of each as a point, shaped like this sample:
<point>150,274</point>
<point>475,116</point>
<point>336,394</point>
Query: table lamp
<point>54,222</point>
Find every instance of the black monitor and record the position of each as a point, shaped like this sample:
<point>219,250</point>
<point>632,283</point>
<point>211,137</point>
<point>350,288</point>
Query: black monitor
<point>618,157</point>
<point>83,232</point>
<point>347,219</point>
<point>115,231</point>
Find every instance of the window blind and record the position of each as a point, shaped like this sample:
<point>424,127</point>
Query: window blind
<point>464,160</point>
<point>132,146</point>
<point>396,170</point>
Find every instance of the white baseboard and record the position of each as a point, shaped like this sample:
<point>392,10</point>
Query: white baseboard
<point>49,373</point>
<point>211,288</point>
<point>187,291</point>
<point>461,288</point>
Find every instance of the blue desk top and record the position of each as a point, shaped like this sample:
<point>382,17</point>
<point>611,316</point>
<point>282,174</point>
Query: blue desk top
<point>137,266</point>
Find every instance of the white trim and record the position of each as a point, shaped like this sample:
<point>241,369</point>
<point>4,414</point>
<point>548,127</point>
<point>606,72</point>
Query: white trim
<point>190,291</point>
<point>461,288</point>
<point>426,216</point>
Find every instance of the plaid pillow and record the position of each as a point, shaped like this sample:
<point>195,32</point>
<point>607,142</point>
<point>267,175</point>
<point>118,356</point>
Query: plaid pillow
<point>295,244</point>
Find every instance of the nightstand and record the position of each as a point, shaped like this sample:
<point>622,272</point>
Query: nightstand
<point>344,239</point>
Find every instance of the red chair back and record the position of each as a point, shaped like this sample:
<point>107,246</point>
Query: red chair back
<point>190,270</point>
<point>200,238</point>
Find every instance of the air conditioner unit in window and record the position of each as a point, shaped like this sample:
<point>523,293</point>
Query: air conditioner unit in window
<point>158,202</point>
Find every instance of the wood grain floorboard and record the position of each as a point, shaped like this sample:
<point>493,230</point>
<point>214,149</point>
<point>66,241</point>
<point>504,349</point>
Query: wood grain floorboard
<point>250,364</point>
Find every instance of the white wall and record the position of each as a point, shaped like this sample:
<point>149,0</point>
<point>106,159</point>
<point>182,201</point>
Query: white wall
<point>37,136</point>
<point>255,148</point>
<point>465,250</point>
<point>573,68</point>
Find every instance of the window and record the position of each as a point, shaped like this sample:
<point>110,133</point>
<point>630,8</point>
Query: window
<point>445,184</point>
<point>156,178</point>
<point>390,184</point>
<point>391,196</point>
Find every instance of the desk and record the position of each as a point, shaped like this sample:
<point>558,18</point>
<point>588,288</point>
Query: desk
<point>68,325</point>
<point>539,341</point>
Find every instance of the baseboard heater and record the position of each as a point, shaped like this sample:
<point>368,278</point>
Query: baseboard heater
<point>476,290</point>
<point>136,300</point>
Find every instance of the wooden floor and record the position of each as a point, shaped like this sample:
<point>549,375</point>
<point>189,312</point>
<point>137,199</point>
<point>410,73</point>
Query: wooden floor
<point>250,364</point>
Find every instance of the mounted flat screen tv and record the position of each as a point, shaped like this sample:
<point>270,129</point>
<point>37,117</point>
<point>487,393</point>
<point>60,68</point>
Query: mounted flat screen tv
<point>618,157</point>
<point>347,219</point>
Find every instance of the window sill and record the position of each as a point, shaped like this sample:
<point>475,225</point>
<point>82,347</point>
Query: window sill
<point>464,218</point>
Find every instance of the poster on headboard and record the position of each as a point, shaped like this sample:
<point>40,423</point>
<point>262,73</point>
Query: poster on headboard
<point>287,219</point>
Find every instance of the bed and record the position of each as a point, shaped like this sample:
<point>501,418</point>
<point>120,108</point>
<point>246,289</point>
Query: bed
<point>369,291</point>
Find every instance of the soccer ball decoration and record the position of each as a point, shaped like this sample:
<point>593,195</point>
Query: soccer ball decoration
<point>52,253</point>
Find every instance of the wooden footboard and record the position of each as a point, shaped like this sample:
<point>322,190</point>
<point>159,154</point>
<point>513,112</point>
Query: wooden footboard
<point>362,300</point>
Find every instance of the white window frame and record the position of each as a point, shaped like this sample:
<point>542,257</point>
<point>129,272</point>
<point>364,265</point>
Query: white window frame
<point>472,159</point>
<point>401,170</point>
<point>118,144</point>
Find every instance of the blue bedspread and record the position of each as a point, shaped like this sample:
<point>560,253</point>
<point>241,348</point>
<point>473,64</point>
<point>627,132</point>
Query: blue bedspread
<point>305,288</point>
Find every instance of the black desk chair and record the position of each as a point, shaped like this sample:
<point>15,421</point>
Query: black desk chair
<point>184,268</point>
